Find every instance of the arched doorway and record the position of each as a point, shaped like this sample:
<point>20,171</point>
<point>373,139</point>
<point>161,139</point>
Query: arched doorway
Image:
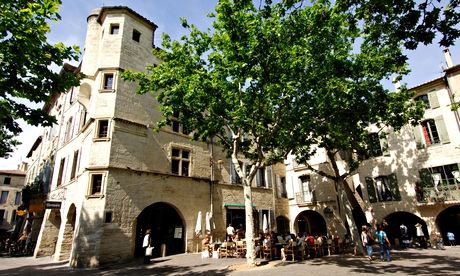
<point>396,219</point>
<point>69,230</point>
<point>449,221</point>
<point>282,224</point>
<point>167,227</point>
<point>311,222</point>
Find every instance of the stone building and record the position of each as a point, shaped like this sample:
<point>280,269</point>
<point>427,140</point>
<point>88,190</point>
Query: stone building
<point>110,176</point>
<point>413,177</point>
<point>11,184</point>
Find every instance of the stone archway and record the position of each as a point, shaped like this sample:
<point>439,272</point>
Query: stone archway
<point>50,234</point>
<point>449,221</point>
<point>168,229</point>
<point>396,219</point>
<point>69,230</point>
<point>311,222</point>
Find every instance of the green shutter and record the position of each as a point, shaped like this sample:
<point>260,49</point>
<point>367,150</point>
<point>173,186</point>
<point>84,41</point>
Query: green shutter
<point>433,98</point>
<point>371,189</point>
<point>441,128</point>
<point>418,136</point>
<point>394,187</point>
<point>426,178</point>
<point>269,177</point>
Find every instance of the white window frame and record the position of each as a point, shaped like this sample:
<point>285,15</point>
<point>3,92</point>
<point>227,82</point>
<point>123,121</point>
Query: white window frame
<point>180,160</point>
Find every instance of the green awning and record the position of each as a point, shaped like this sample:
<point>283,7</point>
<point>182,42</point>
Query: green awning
<point>236,205</point>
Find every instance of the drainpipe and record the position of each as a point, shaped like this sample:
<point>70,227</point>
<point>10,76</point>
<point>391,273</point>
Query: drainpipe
<point>450,63</point>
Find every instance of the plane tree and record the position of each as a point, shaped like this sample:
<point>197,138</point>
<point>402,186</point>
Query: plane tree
<point>271,79</point>
<point>26,75</point>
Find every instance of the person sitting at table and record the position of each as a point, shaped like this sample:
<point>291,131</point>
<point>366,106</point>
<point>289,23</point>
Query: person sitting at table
<point>206,244</point>
<point>310,242</point>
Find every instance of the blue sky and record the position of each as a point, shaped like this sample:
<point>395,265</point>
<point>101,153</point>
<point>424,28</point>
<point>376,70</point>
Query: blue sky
<point>426,62</point>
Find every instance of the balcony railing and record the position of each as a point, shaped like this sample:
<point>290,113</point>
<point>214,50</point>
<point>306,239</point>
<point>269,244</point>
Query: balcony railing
<point>305,197</point>
<point>443,192</point>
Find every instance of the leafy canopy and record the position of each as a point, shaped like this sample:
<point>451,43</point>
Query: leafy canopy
<point>25,60</point>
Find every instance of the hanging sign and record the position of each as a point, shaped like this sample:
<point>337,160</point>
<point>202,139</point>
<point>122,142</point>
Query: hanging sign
<point>52,205</point>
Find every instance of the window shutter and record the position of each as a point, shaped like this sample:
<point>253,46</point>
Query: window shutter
<point>426,178</point>
<point>269,177</point>
<point>261,219</point>
<point>442,131</point>
<point>394,187</point>
<point>271,220</point>
<point>258,180</point>
<point>233,178</point>
<point>278,187</point>
<point>418,136</point>
<point>371,189</point>
<point>433,98</point>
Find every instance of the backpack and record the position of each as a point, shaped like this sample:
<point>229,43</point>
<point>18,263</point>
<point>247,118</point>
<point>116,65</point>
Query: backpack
<point>370,240</point>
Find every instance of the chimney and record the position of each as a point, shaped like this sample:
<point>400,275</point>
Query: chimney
<point>448,58</point>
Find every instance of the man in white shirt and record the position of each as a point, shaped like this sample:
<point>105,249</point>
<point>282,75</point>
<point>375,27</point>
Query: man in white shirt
<point>230,232</point>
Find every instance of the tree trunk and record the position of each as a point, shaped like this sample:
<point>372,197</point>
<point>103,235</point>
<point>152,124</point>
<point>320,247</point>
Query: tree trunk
<point>249,235</point>
<point>347,215</point>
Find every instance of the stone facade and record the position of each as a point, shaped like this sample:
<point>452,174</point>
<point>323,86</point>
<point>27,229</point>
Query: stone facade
<point>11,184</point>
<point>415,178</point>
<point>114,175</point>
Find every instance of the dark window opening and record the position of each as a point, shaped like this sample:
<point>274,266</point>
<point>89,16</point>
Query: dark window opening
<point>114,29</point>
<point>108,81</point>
<point>96,184</point>
<point>136,35</point>
<point>108,217</point>
<point>103,129</point>
<point>7,180</point>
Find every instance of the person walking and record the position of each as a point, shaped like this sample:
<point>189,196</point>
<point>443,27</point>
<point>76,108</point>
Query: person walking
<point>367,242</point>
<point>384,244</point>
<point>451,238</point>
<point>146,245</point>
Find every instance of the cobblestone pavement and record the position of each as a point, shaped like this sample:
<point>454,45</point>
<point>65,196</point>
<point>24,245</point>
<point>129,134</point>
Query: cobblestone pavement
<point>407,262</point>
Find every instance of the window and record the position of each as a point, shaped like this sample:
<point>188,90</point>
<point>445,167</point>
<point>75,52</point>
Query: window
<point>17,199</point>
<point>114,29</point>
<point>103,129</point>
<point>108,217</point>
<point>4,197</point>
<point>96,184</point>
<point>431,132</point>
<point>74,165</point>
<point>108,81</point>
<point>383,188</point>
<point>180,162</point>
<point>7,180</point>
<point>440,177</point>
<point>282,191</point>
<point>68,130</point>
<point>235,178</point>
<point>2,215</point>
<point>176,126</point>
<point>260,177</point>
<point>61,172</point>
<point>305,188</point>
<point>136,35</point>
<point>430,99</point>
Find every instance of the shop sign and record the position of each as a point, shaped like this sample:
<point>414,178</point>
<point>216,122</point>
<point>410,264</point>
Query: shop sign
<point>52,205</point>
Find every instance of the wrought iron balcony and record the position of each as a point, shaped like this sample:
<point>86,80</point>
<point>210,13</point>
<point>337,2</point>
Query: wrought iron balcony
<point>445,191</point>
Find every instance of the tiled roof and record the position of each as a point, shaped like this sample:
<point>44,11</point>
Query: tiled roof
<point>13,172</point>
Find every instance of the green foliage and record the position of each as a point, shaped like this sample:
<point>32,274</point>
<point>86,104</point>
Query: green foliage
<point>25,60</point>
<point>290,76</point>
